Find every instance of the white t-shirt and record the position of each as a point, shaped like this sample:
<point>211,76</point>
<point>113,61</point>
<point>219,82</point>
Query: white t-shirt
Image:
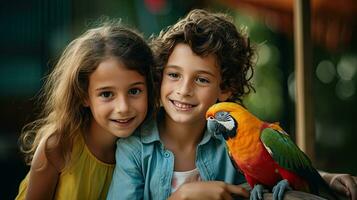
<point>180,178</point>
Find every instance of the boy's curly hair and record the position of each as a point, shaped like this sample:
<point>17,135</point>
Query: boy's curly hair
<point>210,33</point>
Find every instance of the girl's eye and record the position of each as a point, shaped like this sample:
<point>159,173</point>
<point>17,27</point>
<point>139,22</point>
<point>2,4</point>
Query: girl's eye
<point>135,91</point>
<point>106,94</point>
<point>173,75</point>
<point>202,80</point>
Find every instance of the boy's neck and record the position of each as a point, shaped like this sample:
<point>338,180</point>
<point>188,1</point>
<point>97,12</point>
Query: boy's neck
<point>181,134</point>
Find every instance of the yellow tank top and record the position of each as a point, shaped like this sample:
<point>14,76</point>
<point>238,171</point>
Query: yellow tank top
<point>85,178</point>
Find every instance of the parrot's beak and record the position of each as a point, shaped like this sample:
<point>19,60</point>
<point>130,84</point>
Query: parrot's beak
<point>212,125</point>
<point>222,127</point>
<point>210,117</point>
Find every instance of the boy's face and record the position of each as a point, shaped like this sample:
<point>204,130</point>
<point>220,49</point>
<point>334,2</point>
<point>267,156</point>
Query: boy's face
<point>190,85</point>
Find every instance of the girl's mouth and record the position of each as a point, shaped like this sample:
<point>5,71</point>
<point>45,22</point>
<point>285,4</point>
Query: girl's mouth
<point>122,122</point>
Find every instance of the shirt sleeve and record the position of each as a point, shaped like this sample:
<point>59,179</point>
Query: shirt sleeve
<point>128,180</point>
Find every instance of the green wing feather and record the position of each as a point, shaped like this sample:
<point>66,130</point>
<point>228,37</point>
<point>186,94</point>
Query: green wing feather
<point>288,155</point>
<point>285,152</point>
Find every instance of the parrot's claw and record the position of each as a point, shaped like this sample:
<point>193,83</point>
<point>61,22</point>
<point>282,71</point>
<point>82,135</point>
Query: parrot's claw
<point>257,192</point>
<point>280,188</point>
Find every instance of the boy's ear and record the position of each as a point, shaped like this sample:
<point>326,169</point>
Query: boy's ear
<point>224,95</point>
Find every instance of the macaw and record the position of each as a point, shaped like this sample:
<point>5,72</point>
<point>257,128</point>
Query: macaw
<point>264,152</point>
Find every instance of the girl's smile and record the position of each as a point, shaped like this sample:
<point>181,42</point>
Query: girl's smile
<point>123,123</point>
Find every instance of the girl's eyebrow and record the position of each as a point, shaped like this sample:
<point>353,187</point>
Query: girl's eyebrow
<point>137,83</point>
<point>173,66</point>
<point>111,87</point>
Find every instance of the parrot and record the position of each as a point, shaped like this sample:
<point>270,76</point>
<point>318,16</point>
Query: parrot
<point>264,153</point>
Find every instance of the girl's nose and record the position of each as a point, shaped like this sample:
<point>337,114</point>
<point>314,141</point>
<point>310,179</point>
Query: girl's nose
<point>122,105</point>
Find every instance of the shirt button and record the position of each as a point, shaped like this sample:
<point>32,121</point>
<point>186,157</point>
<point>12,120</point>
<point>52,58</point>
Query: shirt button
<point>166,154</point>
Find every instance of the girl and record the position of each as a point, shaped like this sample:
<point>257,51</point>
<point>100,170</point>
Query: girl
<point>99,90</point>
<point>202,59</point>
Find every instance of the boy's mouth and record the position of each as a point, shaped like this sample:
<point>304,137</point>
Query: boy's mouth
<point>181,105</point>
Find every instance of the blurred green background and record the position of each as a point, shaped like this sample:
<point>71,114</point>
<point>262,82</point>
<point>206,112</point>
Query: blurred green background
<point>34,32</point>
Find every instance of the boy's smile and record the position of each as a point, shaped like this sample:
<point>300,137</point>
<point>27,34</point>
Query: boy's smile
<point>190,85</point>
<point>182,106</point>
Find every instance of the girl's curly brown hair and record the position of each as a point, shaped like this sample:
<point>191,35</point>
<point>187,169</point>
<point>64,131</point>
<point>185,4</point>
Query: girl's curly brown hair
<point>210,33</point>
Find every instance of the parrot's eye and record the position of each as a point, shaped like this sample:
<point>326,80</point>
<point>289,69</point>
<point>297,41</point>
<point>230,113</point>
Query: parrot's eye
<point>222,116</point>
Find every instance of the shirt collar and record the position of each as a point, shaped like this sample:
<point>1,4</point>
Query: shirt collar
<point>207,137</point>
<point>150,132</point>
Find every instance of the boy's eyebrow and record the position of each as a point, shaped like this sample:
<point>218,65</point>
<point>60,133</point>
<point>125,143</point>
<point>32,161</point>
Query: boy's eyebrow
<point>206,72</point>
<point>200,71</point>
<point>131,85</point>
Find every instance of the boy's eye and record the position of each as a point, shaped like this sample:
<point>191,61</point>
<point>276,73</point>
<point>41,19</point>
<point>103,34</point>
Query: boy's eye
<point>135,91</point>
<point>202,80</point>
<point>106,94</point>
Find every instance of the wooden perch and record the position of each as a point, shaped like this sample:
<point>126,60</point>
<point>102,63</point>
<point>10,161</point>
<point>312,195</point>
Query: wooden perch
<point>292,195</point>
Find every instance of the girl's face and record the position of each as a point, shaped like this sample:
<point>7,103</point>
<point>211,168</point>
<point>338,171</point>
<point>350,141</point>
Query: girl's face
<point>190,85</point>
<point>117,98</point>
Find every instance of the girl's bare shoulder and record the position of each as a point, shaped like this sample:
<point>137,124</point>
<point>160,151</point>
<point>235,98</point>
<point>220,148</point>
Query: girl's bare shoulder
<point>49,154</point>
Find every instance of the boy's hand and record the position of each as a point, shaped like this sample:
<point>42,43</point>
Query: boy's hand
<point>209,190</point>
<point>343,183</point>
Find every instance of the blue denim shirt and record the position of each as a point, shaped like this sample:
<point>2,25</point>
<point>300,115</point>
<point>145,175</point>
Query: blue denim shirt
<point>144,168</point>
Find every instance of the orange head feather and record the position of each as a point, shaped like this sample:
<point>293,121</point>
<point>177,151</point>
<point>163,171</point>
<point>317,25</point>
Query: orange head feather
<point>238,112</point>
<point>245,139</point>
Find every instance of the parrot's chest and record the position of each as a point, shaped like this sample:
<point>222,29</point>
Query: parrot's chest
<point>260,166</point>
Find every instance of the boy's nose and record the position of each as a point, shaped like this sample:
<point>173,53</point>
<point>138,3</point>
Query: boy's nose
<point>185,88</point>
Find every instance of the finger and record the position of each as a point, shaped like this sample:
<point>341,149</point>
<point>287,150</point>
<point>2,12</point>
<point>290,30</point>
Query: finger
<point>354,194</point>
<point>354,179</point>
<point>227,196</point>
<point>235,189</point>
<point>352,187</point>
<point>339,186</point>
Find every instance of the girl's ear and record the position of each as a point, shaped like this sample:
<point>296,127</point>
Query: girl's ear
<point>86,102</point>
<point>224,95</point>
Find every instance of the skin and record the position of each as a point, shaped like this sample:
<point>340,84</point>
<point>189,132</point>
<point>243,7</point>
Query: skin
<point>118,102</point>
<point>117,98</point>
<point>189,87</point>
<point>344,184</point>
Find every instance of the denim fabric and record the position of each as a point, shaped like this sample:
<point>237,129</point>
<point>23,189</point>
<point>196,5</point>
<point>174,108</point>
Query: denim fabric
<point>144,168</point>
